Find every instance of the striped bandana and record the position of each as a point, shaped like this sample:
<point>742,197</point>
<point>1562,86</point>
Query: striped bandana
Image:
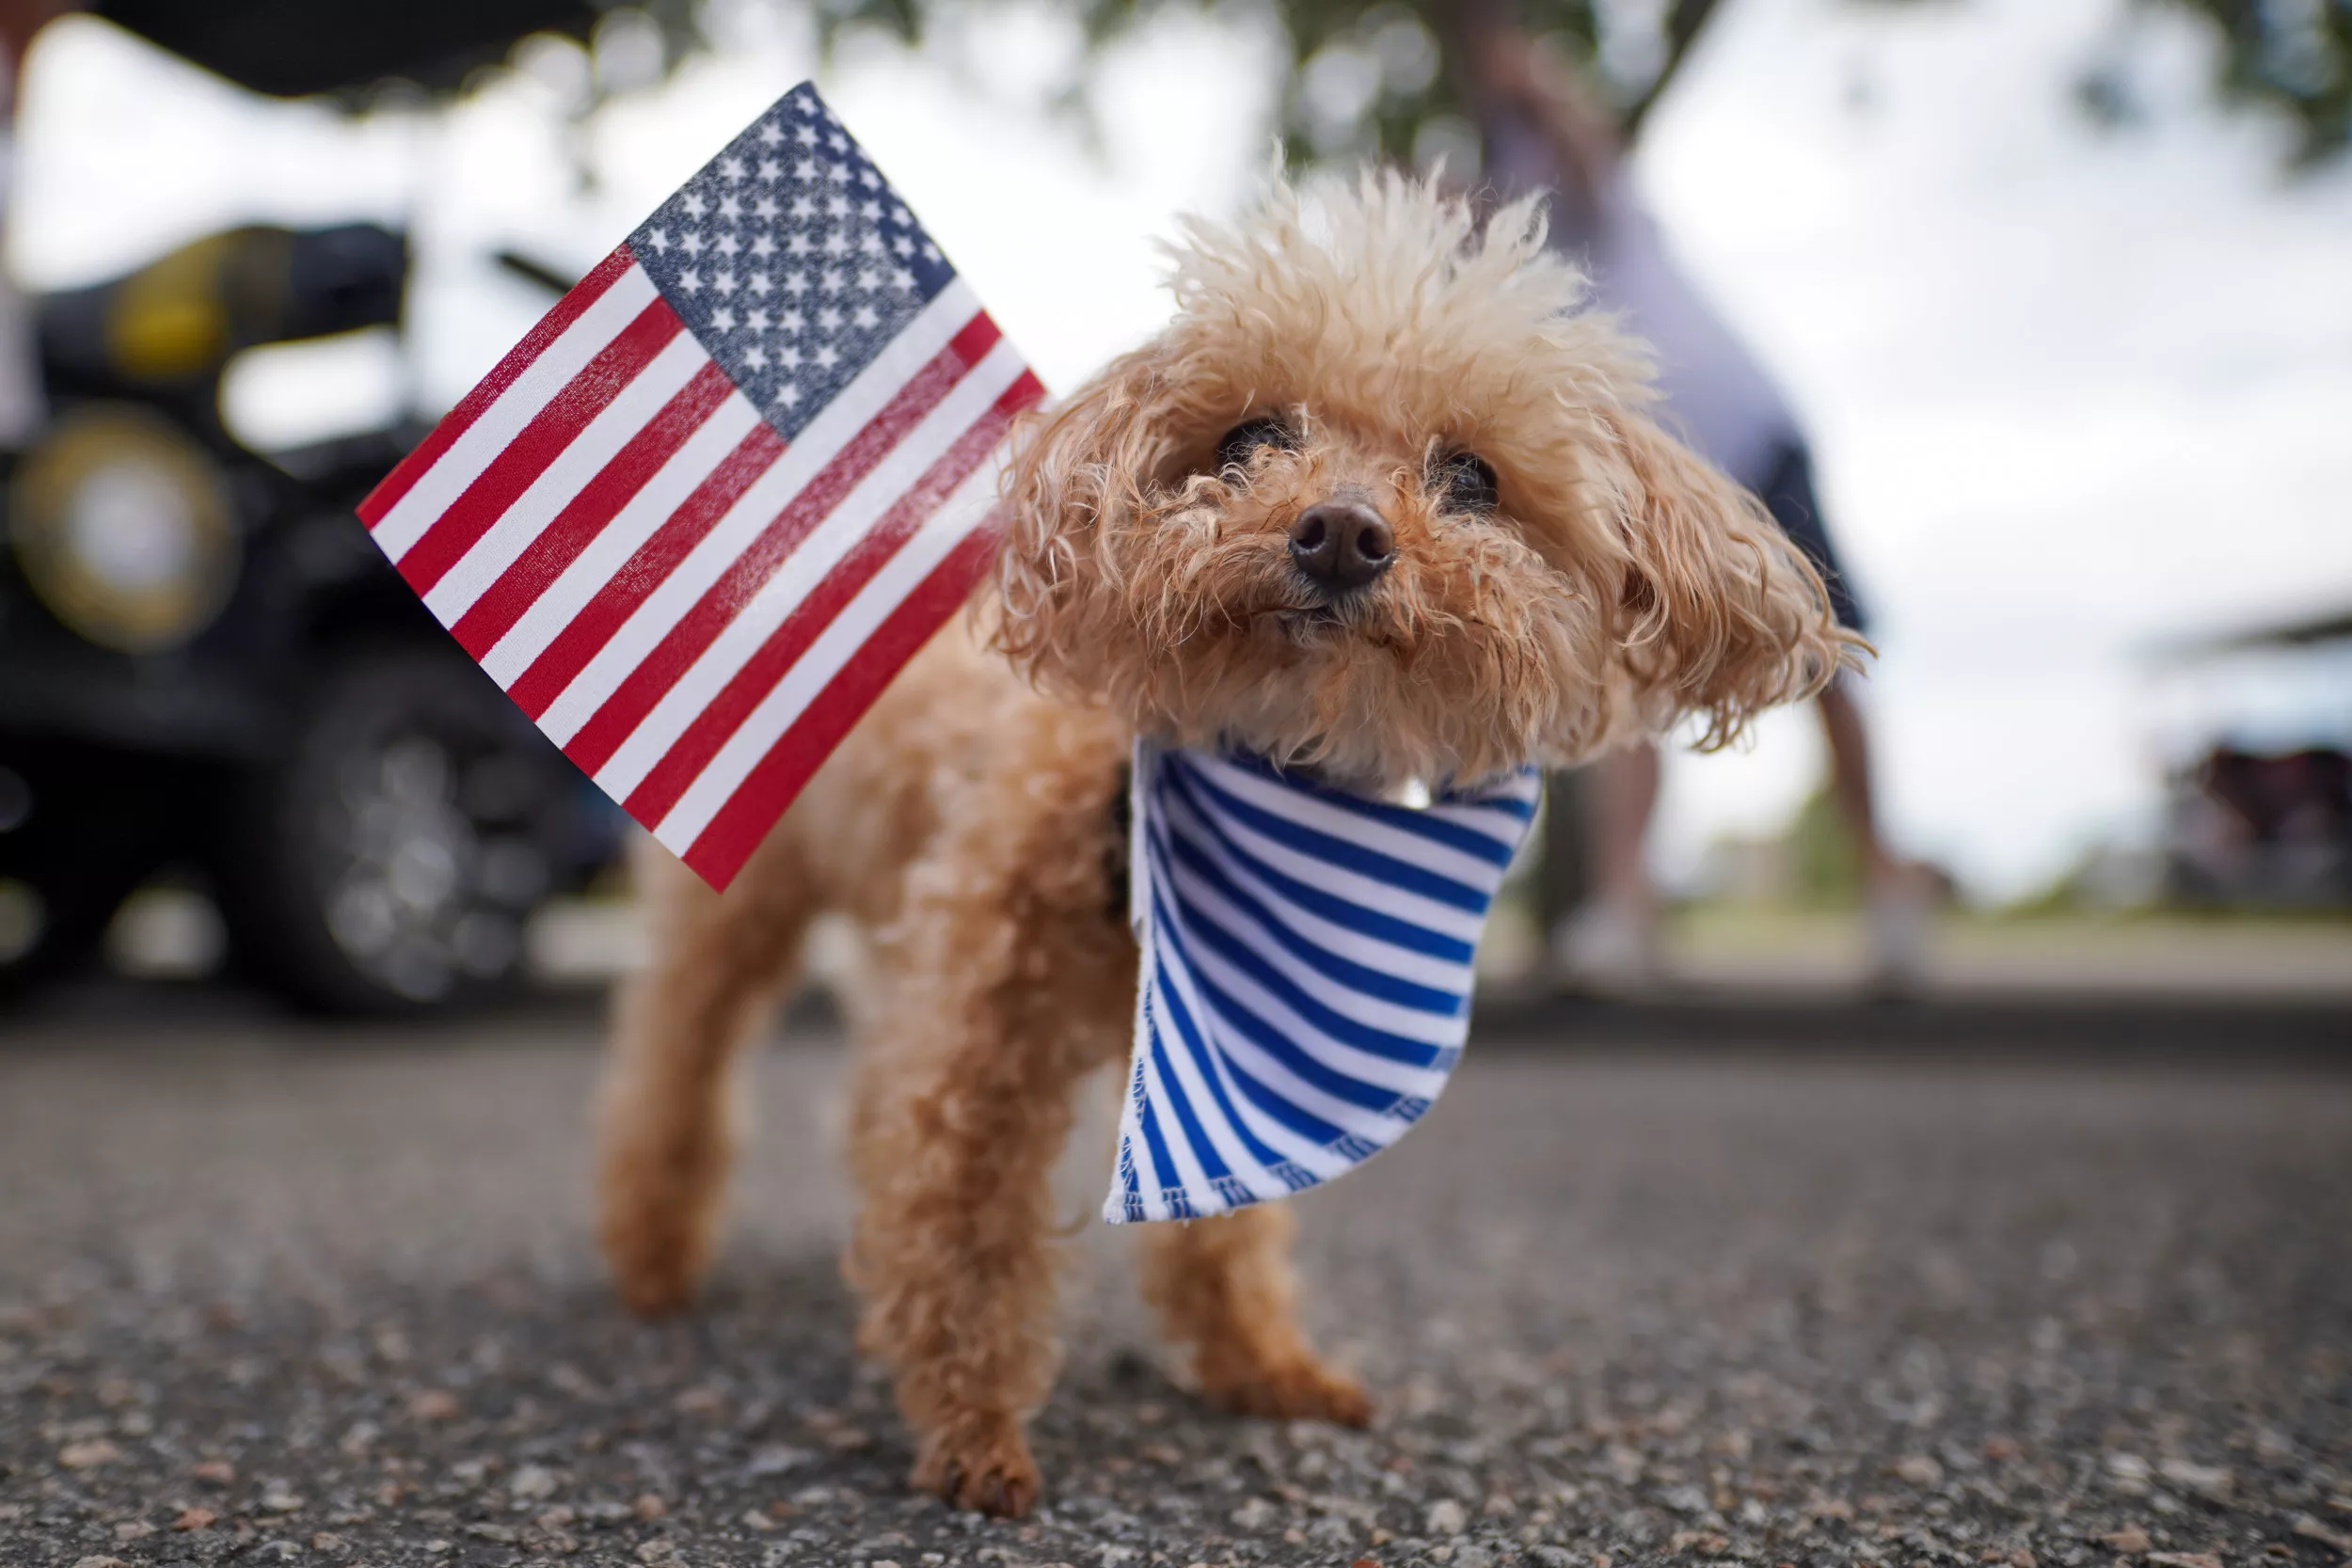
<point>1305,982</point>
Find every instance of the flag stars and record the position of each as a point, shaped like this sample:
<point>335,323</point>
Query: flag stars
<point>827,358</point>
<point>730,167</point>
<point>723,318</point>
<point>730,209</point>
<point>805,169</point>
<point>838,206</point>
<point>788,395</point>
<point>797,245</point>
<point>827,320</point>
<point>724,282</point>
<point>691,204</point>
<point>870,246</point>
<point>692,244</point>
<point>865,316</point>
<point>771,134</point>
<point>902,246</point>
<point>901,278</point>
<point>690,281</point>
<point>806,135</point>
<point>765,207</point>
<point>868,179</point>
<point>870,211</point>
<point>869,280</point>
<point>830,280</point>
<point>795,284</point>
<point>727,246</point>
<point>756,356</point>
<point>762,245</point>
<point>838,142</point>
<point>791,321</point>
<point>758,283</point>
<point>659,240</point>
<point>757,319</point>
<point>837,244</point>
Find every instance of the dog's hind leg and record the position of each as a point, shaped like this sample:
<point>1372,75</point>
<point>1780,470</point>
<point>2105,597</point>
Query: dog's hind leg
<point>1223,1291</point>
<point>665,1123</point>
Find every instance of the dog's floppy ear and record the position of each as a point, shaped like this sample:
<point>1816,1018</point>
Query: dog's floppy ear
<point>1717,613</point>
<point>1076,481</point>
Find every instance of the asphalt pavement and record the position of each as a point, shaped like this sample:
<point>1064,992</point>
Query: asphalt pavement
<point>274,1293</point>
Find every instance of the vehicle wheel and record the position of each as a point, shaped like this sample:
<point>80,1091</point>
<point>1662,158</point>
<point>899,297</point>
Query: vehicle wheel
<point>389,865</point>
<point>79,829</point>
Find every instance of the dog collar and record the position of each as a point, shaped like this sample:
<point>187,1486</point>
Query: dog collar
<point>1305,980</point>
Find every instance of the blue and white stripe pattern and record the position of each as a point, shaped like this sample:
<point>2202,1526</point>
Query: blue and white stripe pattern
<point>1306,968</point>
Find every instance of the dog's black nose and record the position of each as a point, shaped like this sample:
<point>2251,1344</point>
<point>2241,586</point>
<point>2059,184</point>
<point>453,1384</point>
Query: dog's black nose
<point>1341,544</point>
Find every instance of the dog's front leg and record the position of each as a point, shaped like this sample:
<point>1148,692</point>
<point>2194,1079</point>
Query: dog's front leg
<point>1222,1288</point>
<point>956,1142</point>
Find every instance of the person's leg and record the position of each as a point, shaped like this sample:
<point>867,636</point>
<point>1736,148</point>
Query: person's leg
<point>1625,795</point>
<point>1899,895</point>
<point>1850,776</point>
<point>1610,943</point>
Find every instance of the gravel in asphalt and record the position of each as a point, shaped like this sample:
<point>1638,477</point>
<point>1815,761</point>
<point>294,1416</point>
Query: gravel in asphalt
<point>270,1294</point>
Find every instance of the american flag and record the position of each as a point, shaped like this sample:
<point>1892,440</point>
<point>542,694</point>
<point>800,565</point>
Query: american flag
<point>705,511</point>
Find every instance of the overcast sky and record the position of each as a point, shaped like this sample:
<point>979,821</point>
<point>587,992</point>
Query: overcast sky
<point>2072,393</point>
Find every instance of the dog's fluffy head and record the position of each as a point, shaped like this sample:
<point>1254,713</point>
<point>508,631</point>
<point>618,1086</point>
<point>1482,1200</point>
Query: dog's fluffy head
<point>1561,573</point>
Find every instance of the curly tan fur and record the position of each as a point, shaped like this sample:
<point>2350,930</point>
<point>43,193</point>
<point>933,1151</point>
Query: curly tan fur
<point>966,824</point>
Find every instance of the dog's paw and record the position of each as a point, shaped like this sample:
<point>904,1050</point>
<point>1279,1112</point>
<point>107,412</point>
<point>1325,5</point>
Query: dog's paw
<point>986,1469</point>
<point>1294,1391</point>
<point>655,1269</point>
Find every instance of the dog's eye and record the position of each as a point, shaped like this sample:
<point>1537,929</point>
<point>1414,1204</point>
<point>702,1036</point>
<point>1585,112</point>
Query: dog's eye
<point>1464,482</point>
<point>1242,442</point>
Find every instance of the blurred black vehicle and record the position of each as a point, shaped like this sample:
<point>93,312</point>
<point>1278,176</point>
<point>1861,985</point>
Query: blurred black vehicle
<point>204,663</point>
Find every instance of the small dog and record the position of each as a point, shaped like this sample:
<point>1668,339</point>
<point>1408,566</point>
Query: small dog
<point>1382,502</point>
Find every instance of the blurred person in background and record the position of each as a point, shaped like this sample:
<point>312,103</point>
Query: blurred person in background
<point>1543,131</point>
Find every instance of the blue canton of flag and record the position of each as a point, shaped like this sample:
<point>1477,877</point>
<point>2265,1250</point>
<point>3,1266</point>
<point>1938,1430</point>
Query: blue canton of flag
<point>1304,987</point>
<point>792,260</point>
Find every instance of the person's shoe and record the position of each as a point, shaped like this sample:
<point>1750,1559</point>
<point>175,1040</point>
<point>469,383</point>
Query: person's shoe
<point>1607,949</point>
<point>1901,917</point>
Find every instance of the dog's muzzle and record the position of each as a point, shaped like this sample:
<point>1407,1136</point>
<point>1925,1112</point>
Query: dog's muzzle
<point>1342,545</point>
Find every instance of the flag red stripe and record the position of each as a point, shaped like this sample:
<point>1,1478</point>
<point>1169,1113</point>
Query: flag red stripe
<point>684,760</point>
<point>599,502</point>
<point>644,686</point>
<point>527,457</point>
<point>721,848</point>
<point>519,358</point>
<point>584,636</point>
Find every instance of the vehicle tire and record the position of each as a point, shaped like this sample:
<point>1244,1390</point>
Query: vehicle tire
<point>80,828</point>
<point>389,865</point>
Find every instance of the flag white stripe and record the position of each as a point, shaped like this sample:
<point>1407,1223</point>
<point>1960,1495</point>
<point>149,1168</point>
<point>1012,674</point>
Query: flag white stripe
<point>964,510</point>
<point>654,505</point>
<point>634,407</point>
<point>825,436</point>
<point>806,567</point>
<point>438,488</point>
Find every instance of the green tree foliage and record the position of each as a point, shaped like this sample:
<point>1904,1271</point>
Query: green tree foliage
<point>1382,78</point>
